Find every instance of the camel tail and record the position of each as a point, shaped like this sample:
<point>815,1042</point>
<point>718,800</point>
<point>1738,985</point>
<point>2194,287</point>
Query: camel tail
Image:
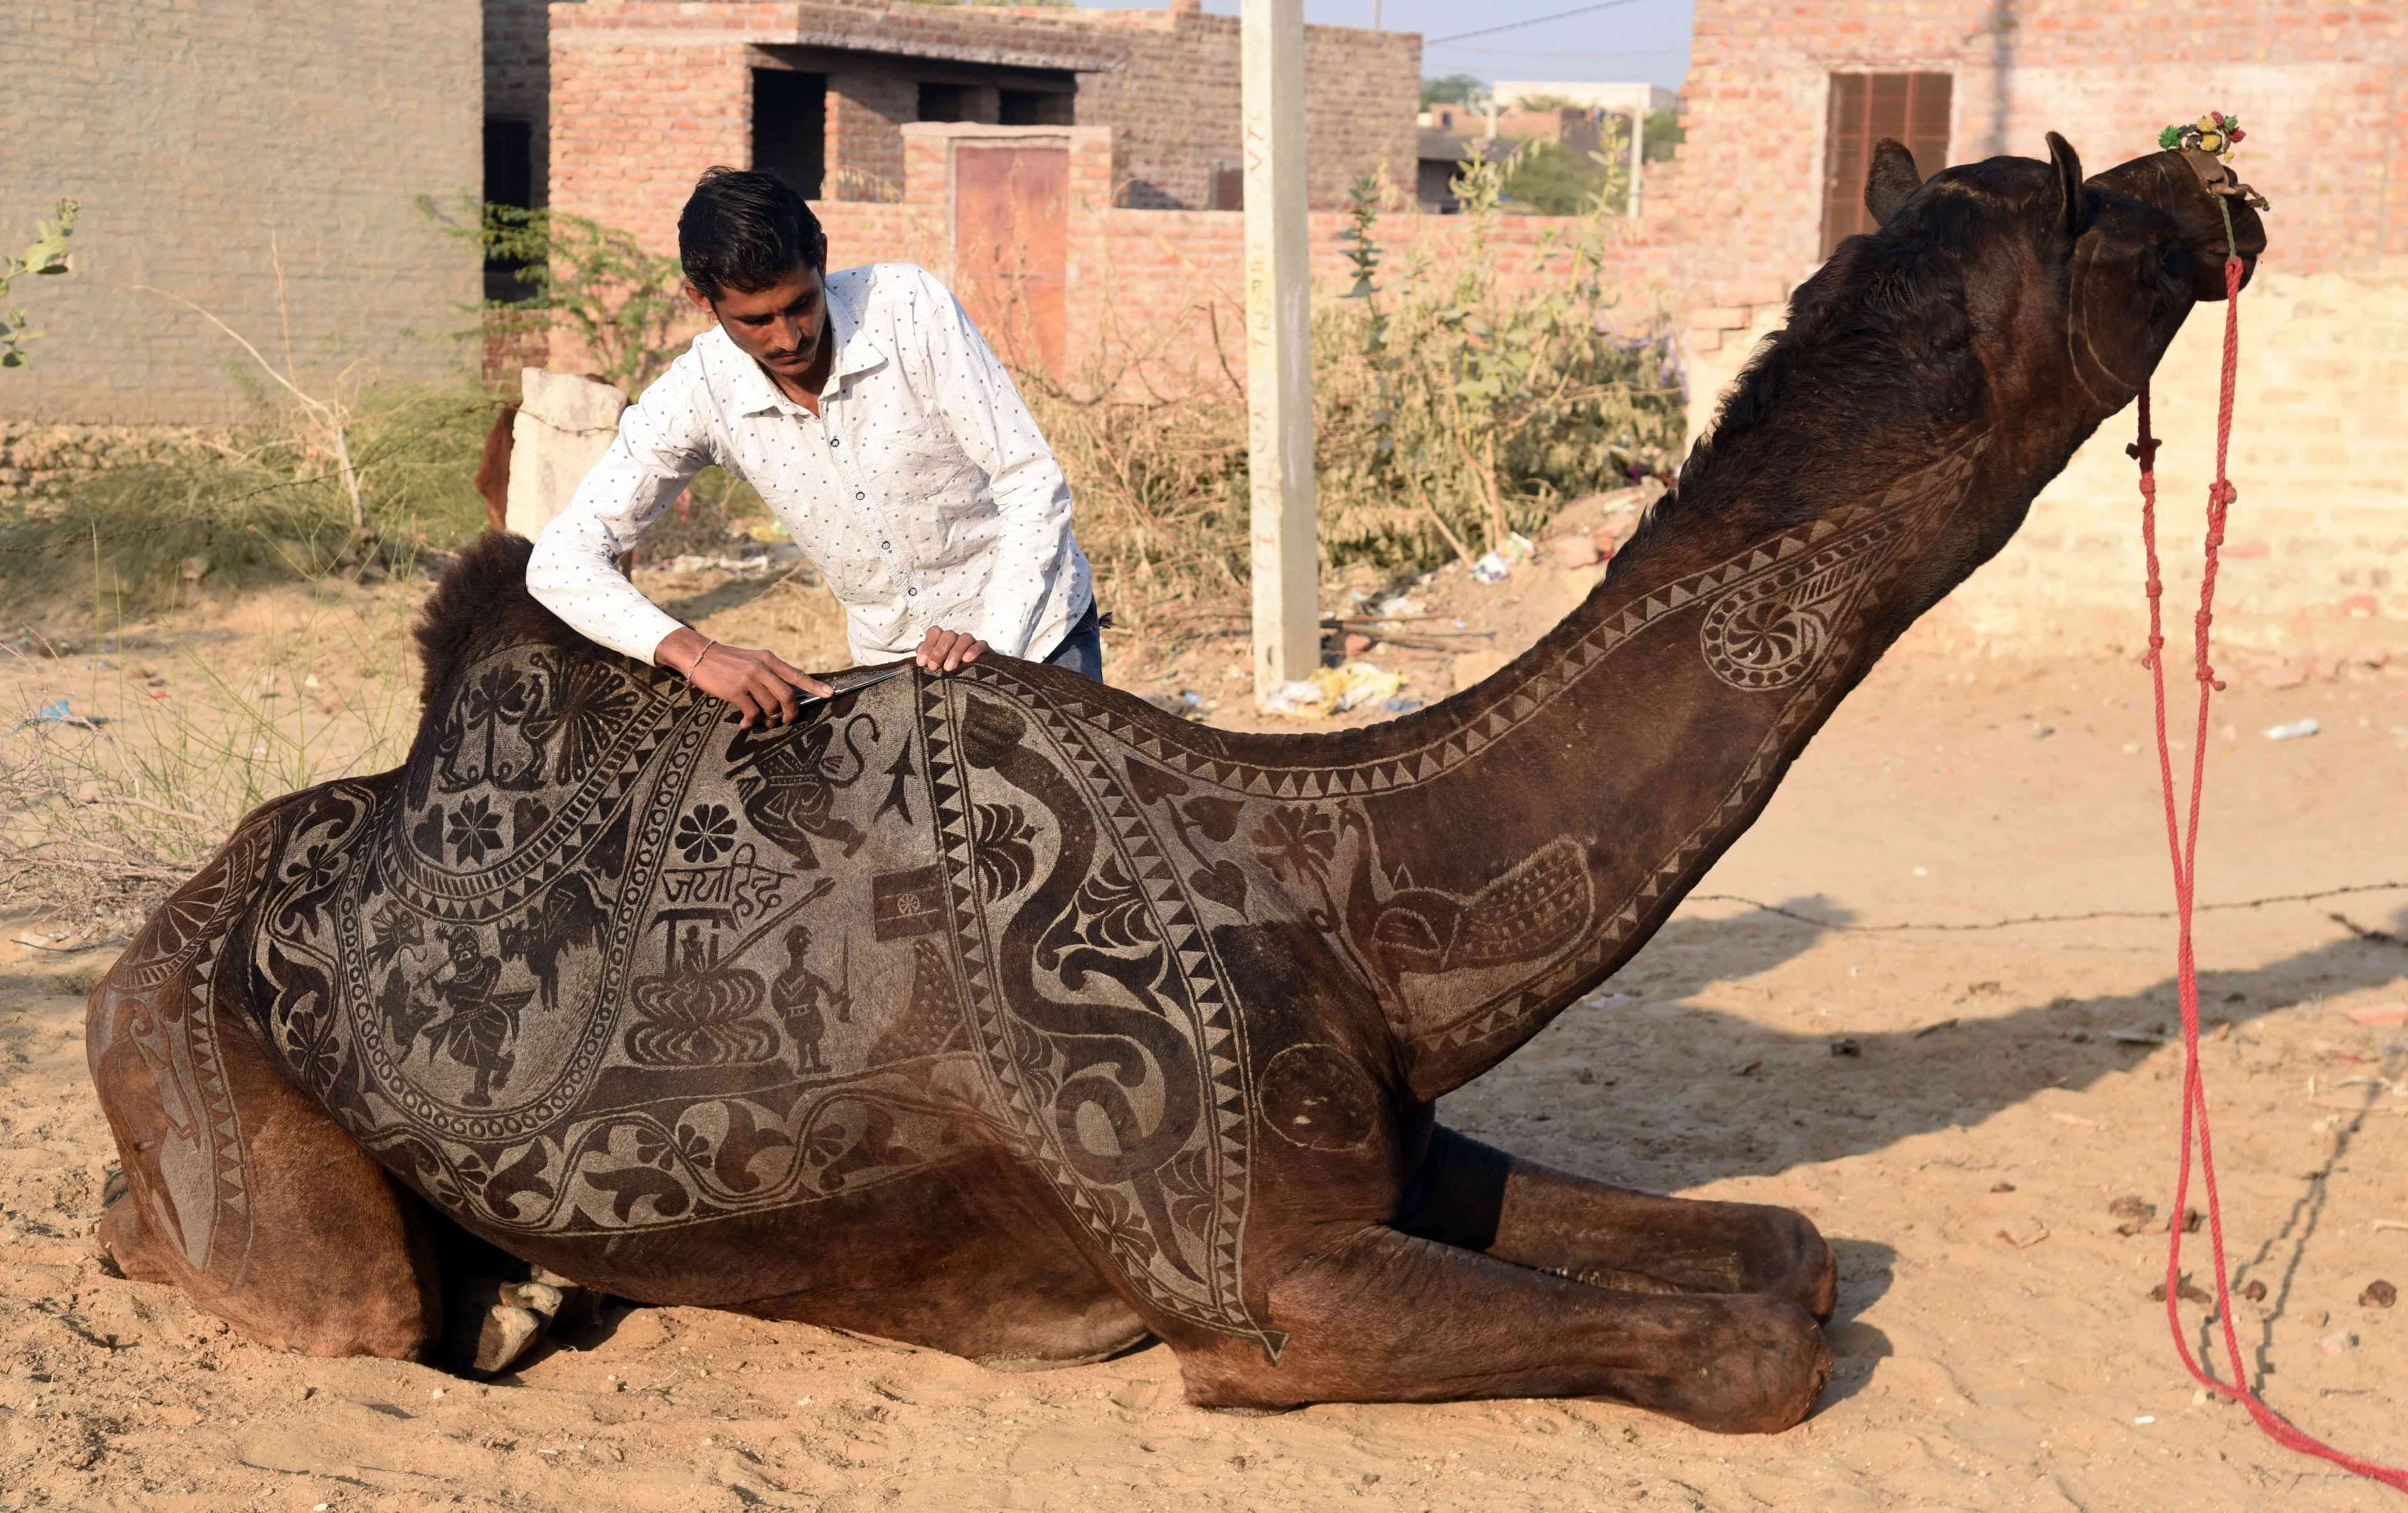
<point>482,602</point>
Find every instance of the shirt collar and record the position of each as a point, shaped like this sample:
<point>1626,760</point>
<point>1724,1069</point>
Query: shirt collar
<point>754,392</point>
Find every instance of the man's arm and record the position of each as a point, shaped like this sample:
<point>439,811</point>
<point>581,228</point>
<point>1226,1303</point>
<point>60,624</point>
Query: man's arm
<point>992,423</point>
<point>574,570</point>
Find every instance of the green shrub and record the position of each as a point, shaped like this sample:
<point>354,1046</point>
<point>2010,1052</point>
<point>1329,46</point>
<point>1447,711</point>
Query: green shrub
<point>260,502</point>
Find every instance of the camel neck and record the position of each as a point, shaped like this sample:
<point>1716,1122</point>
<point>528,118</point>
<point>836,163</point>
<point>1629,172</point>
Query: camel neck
<point>1556,814</point>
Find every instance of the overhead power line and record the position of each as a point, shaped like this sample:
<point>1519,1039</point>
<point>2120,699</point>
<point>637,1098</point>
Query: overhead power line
<point>1535,21</point>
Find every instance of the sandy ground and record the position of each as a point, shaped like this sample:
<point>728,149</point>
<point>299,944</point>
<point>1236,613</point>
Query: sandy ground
<point>1998,1347</point>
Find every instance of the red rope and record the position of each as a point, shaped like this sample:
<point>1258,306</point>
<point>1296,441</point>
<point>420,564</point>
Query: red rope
<point>2183,844</point>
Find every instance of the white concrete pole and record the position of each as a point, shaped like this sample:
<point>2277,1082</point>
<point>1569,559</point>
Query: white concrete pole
<point>1278,347</point>
<point>1638,157</point>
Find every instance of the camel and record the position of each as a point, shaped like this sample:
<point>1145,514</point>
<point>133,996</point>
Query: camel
<point>999,1013</point>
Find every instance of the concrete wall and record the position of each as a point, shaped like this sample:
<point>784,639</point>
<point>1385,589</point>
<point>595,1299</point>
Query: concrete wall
<point>190,133</point>
<point>2319,548</point>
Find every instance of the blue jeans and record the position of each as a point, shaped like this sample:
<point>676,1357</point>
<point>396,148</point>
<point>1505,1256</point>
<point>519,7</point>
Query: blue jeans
<point>1083,650</point>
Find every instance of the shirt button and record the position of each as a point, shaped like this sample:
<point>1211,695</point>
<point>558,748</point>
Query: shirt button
<point>911,593</point>
<point>861,496</point>
<point>887,546</point>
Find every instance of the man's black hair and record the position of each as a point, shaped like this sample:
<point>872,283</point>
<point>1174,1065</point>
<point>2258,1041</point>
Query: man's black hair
<point>745,231</point>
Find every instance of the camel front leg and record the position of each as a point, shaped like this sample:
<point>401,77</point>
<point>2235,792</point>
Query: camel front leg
<point>1473,1196</point>
<point>1386,1317</point>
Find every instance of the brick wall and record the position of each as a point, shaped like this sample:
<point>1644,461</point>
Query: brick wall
<point>193,133</point>
<point>518,71</point>
<point>2322,88</point>
<point>643,89</point>
<point>2321,532</point>
<point>1176,105</point>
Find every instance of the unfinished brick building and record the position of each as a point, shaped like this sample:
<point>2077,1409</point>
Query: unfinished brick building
<point>610,108</point>
<point>1784,98</point>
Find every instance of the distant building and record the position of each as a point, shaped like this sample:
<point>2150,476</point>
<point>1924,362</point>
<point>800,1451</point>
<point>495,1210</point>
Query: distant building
<point>1616,99</point>
<point>639,97</point>
<point>263,160</point>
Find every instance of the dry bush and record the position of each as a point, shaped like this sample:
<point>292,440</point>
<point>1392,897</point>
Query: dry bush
<point>104,811</point>
<point>1451,410</point>
<point>262,501</point>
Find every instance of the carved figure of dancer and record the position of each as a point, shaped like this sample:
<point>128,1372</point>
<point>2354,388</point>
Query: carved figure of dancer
<point>479,1025</point>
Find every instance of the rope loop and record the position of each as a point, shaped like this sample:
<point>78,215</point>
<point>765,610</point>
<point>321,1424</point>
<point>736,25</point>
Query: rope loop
<point>2182,842</point>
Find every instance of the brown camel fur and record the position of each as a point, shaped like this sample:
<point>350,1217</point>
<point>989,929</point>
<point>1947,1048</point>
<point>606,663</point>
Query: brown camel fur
<point>1002,1014</point>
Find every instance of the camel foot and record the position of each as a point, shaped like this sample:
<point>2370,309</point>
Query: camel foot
<point>494,1324</point>
<point>1391,1317</point>
<point>128,1246</point>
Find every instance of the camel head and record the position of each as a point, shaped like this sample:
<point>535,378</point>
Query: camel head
<point>2113,262</point>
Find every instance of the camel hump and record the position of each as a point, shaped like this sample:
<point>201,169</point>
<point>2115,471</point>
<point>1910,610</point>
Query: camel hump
<point>481,602</point>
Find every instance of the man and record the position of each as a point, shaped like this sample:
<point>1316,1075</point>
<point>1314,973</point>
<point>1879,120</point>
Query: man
<point>877,425</point>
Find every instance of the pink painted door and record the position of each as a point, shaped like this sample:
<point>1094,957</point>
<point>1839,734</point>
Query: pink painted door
<point>1012,245</point>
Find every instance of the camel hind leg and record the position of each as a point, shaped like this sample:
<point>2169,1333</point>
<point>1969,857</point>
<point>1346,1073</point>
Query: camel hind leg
<point>1480,1198</point>
<point>237,1188</point>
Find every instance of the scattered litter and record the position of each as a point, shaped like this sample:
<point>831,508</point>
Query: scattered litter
<point>1358,683</point>
<point>59,714</point>
<point>2337,1342</point>
<point>1333,690</point>
<point>2296,729</point>
<point>1297,700</point>
<point>1396,607</point>
<point>2002,1187</point>
<point>2041,733</point>
<point>2392,1014</point>
<point>1752,1068</point>
<point>2316,1317</point>
<point>1847,1044</point>
<point>2025,1233</point>
<point>1948,1023</point>
<point>2063,1118</point>
<point>2146,1418</point>
<point>2378,1295</point>
<point>1357,643</point>
<point>772,557</point>
<point>1185,704</point>
<point>2185,1288</point>
<point>1494,567</point>
<point>1403,704</point>
<point>2381,1224</point>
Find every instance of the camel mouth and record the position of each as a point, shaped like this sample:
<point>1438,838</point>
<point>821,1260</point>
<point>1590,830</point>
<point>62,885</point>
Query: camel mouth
<point>2210,206</point>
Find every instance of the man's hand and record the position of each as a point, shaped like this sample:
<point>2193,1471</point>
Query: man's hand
<point>758,683</point>
<point>948,651</point>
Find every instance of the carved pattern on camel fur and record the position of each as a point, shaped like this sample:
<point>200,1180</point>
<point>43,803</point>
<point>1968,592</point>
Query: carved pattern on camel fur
<point>1001,1013</point>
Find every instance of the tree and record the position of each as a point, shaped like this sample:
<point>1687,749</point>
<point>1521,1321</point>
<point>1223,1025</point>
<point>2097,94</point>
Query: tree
<point>1455,89</point>
<point>45,257</point>
<point>1663,134</point>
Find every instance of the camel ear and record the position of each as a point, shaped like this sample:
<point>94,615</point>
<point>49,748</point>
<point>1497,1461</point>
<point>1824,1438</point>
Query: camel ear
<point>1890,180</point>
<point>2069,183</point>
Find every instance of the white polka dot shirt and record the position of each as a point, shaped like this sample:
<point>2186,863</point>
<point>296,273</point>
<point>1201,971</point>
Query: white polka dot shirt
<point>925,497</point>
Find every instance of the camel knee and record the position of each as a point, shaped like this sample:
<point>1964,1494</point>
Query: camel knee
<point>1790,1258</point>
